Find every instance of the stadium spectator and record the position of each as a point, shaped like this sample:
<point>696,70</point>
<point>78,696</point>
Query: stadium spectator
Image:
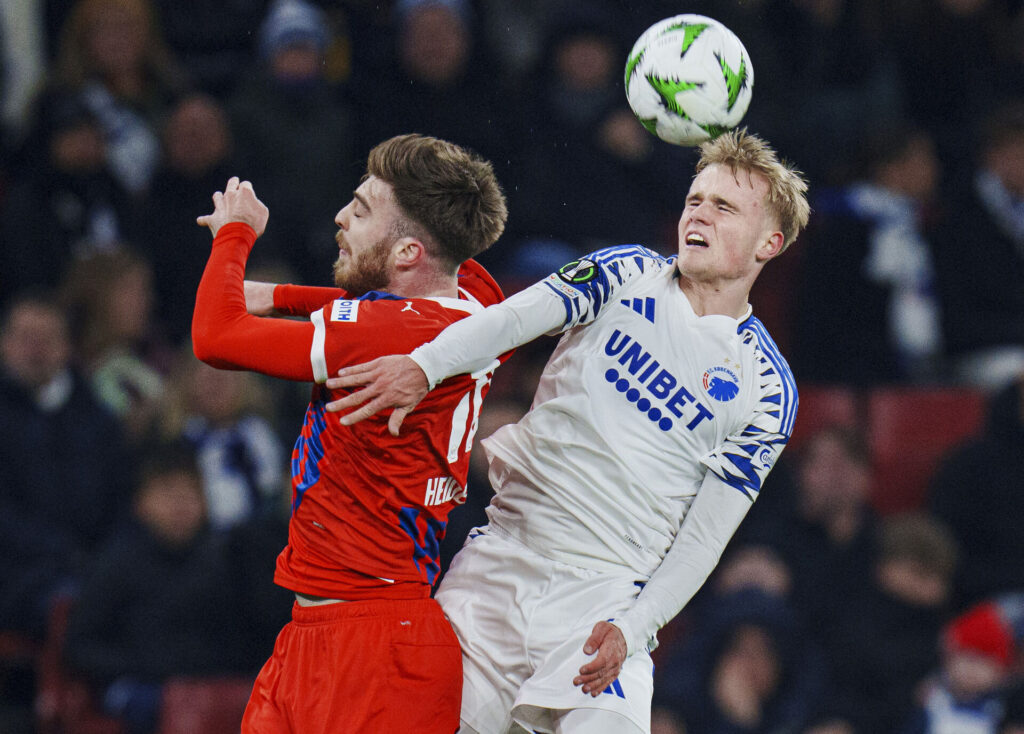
<point>952,50</point>
<point>197,157</point>
<point>625,184</point>
<point>157,603</point>
<point>227,417</point>
<point>439,81</point>
<point>23,61</point>
<point>966,691</point>
<point>213,42</point>
<point>743,667</point>
<point>109,298</point>
<point>975,492</point>
<point>610,504</point>
<point>1012,720</point>
<point>367,649</point>
<point>62,202</point>
<point>868,254</point>
<point>113,54</point>
<point>253,545</point>
<point>64,470</point>
<point>294,138</point>
<point>821,525</point>
<point>841,79</point>
<point>885,642</point>
<point>983,295</point>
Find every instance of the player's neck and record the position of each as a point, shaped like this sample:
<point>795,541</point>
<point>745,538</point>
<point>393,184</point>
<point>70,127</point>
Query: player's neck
<point>424,284</point>
<point>707,299</point>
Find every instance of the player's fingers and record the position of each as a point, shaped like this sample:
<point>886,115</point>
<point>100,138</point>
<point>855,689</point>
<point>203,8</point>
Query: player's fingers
<point>351,377</point>
<point>397,416</point>
<point>232,184</point>
<point>351,400</point>
<point>354,370</point>
<point>371,408</point>
<point>596,682</point>
<point>246,185</point>
<point>604,660</point>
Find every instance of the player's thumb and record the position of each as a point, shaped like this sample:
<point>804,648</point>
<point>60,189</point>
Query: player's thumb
<point>594,641</point>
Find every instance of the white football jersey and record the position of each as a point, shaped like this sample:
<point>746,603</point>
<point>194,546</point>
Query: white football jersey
<point>640,399</point>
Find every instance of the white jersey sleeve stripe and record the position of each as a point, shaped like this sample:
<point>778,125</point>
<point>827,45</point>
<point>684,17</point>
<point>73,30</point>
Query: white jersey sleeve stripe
<point>317,356</point>
<point>789,398</point>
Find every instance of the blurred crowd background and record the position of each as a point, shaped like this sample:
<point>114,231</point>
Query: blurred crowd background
<point>878,584</point>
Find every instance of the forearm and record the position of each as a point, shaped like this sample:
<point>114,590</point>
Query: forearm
<point>225,335</point>
<point>710,523</point>
<point>472,343</point>
<point>302,300</point>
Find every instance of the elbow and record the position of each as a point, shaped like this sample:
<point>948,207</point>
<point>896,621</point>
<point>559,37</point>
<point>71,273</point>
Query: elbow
<point>203,344</point>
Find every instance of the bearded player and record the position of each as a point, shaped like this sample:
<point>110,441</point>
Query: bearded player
<point>367,649</point>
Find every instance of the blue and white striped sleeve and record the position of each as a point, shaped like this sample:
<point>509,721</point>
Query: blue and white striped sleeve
<point>574,295</point>
<point>744,460</point>
<point>584,286</point>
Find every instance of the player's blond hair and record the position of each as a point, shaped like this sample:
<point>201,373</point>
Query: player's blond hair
<point>787,187</point>
<point>450,192</point>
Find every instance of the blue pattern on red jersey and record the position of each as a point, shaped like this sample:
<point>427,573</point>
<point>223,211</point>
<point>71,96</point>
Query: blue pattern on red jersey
<point>308,451</point>
<point>427,534</point>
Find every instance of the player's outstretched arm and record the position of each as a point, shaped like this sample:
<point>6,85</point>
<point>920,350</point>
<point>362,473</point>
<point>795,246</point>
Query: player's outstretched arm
<point>609,643</point>
<point>395,381</point>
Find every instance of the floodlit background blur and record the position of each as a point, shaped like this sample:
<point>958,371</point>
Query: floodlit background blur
<point>876,587</point>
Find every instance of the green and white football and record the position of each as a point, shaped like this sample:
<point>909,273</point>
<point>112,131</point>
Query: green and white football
<point>689,79</point>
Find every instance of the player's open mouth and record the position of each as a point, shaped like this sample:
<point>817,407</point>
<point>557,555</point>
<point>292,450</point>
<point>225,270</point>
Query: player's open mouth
<point>696,240</point>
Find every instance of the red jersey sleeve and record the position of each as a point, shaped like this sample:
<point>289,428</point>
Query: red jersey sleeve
<point>225,335</point>
<point>302,300</point>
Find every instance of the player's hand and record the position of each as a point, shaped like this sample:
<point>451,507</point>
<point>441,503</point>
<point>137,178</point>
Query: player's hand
<point>237,203</point>
<point>609,643</point>
<point>394,381</point>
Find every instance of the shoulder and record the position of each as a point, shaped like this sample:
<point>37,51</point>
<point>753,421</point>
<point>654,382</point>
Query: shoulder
<point>392,322</point>
<point>643,258</point>
<point>612,266</point>
<point>475,283</point>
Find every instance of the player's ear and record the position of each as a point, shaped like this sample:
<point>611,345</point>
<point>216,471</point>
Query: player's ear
<point>408,251</point>
<point>770,246</point>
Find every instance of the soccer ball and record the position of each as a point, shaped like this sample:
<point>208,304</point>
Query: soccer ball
<point>689,79</point>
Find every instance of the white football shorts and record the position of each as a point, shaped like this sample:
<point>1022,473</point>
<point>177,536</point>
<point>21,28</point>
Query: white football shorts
<point>521,620</point>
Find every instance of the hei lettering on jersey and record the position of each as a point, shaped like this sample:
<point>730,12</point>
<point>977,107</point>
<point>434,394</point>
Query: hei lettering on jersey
<point>443,489</point>
<point>345,310</point>
<point>650,387</point>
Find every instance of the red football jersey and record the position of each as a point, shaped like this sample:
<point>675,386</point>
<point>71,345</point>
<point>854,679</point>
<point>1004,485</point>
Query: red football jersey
<point>369,509</point>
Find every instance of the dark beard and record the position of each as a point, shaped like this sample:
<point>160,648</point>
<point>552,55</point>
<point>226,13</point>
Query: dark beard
<point>369,273</point>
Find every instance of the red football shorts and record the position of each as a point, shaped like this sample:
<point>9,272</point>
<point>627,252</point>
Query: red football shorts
<point>360,666</point>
